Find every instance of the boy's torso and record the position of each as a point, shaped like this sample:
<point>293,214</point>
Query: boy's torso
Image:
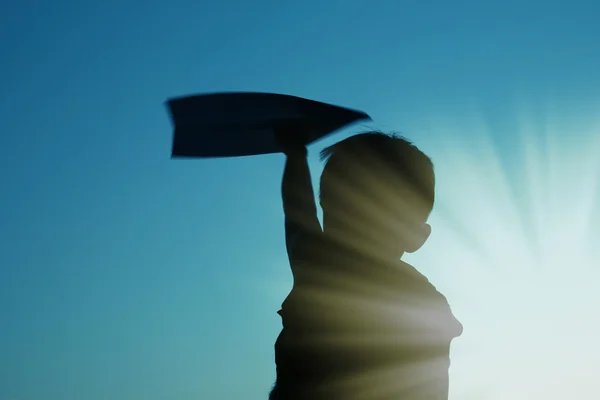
<point>348,316</point>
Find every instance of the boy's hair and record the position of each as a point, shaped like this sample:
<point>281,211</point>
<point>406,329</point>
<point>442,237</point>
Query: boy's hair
<point>377,162</point>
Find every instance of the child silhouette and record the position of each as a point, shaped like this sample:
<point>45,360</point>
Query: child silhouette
<point>359,323</point>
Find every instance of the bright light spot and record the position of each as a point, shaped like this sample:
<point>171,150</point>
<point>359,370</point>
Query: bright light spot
<point>515,250</point>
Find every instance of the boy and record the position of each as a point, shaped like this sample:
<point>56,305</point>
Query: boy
<point>359,323</point>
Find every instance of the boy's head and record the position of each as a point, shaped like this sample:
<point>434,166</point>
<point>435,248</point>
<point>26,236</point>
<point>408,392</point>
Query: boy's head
<point>378,189</point>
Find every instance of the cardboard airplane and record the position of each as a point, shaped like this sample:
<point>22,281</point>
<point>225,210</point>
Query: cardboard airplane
<point>232,124</point>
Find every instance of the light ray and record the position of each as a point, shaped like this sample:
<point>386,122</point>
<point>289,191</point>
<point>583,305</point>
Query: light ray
<point>515,251</point>
<point>528,286</point>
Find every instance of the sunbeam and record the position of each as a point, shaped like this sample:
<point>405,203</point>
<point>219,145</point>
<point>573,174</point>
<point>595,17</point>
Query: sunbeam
<point>515,250</point>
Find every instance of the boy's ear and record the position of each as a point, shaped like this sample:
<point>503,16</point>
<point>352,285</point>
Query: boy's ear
<point>418,238</point>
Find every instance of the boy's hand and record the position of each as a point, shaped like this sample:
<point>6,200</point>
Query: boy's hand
<point>292,140</point>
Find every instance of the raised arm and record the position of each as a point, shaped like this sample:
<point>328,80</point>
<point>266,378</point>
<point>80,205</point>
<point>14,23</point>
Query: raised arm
<point>301,222</point>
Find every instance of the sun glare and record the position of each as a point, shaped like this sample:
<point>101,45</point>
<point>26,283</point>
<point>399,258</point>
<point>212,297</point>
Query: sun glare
<point>515,250</point>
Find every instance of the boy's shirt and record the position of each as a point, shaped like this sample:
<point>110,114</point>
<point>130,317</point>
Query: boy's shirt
<point>349,316</point>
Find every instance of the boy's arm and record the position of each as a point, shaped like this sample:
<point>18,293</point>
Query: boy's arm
<point>301,222</point>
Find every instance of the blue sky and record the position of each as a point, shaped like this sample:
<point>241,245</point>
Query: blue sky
<point>127,275</point>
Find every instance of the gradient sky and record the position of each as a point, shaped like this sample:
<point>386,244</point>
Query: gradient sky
<point>127,275</point>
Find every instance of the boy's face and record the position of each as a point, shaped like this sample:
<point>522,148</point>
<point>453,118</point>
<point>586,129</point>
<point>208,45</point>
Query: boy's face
<point>385,232</point>
<point>414,239</point>
<point>404,234</point>
<point>390,216</point>
<point>403,218</point>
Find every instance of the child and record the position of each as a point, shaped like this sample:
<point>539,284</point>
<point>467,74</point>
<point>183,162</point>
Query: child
<point>359,323</point>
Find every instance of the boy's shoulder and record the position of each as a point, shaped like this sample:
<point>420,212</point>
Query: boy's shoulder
<point>405,277</point>
<point>408,269</point>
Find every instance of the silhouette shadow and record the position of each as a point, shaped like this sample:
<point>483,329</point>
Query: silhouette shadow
<point>359,323</point>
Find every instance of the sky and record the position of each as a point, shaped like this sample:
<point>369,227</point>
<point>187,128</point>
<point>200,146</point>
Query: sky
<point>125,274</point>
